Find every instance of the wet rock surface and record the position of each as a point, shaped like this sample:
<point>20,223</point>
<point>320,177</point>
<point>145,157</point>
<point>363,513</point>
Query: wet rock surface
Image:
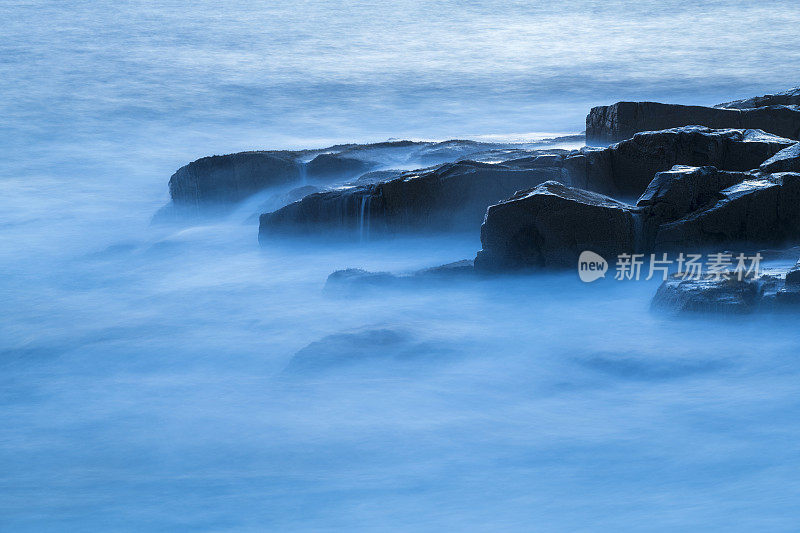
<point>787,160</point>
<point>686,209</point>
<point>683,189</point>
<point>619,121</point>
<point>763,210</point>
<point>709,296</point>
<point>211,183</point>
<point>550,225</point>
<point>231,178</point>
<point>727,181</point>
<point>790,97</point>
<point>452,197</point>
<point>327,167</point>
<point>626,168</point>
<point>773,291</point>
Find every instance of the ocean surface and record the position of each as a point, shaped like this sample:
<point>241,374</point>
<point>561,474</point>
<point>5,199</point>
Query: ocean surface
<point>145,376</point>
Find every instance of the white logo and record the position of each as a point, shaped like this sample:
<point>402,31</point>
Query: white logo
<point>591,266</point>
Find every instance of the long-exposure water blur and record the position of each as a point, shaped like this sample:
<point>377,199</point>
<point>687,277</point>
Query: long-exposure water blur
<point>180,375</point>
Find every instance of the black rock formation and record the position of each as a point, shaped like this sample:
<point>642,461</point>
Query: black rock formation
<point>686,208</point>
<point>231,178</point>
<point>620,121</point>
<point>550,225</point>
<point>760,210</point>
<point>625,169</point>
<point>451,197</point>
<point>787,160</point>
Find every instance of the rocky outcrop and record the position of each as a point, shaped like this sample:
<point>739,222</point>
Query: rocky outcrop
<point>685,208</point>
<point>550,225</point>
<point>793,276</point>
<point>326,167</point>
<point>455,196</point>
<point>213,184</point>
<point>625,169</point>
<point>733,294</point>
<point>790,97</point>
<point>683,189</point>
<point>451,197</point>
<point>620,121</point>
<point>763,210</point>
<point>231,178</point>
<point>787,160</point>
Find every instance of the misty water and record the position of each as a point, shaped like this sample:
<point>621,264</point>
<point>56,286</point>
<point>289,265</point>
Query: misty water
<point>145,370</point>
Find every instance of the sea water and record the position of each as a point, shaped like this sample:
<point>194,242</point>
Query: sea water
<point>146,374</point>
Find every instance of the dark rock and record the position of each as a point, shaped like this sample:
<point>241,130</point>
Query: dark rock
<point>231,178</point>
<point>455,196</point>
<point>793,275</point>
<point>299,192</point>
<point>760,210</point>
<point>281,199</point>
<point>682,190</point>
<point>336,166</point>
<point>354,210</point>
<point>550,225</point>
<point>456,268</point>
<point>686,208</point>
<point>211,183</point>
<point>790,97</point>
<point>620,121</point>
<point>626,168</point>
<point>449,198</point>
<point>780,254</point>
<point>377,176</point>
<point>787,160</point>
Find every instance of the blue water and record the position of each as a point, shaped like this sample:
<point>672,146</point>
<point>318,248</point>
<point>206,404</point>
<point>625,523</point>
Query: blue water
<point>142,381</point>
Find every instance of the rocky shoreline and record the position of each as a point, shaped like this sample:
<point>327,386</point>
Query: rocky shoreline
<point>676,178</point>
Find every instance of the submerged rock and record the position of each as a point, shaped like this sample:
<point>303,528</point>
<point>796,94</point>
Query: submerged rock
<point>705,295</point>
<point>772,291</point>
<point>371,350</point>
<point>550,225</point>
<point>790,97</point>
<point>353,280</point>
<point>620,121</point>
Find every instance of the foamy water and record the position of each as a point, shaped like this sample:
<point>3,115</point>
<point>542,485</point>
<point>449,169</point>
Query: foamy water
<point>144,381</point>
